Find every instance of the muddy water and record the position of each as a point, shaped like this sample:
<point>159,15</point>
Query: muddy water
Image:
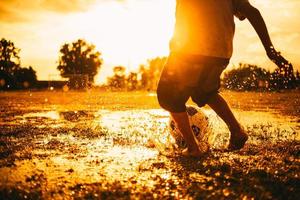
<point>77,147</point>
<point>108,153</point>
<point>137,127</point>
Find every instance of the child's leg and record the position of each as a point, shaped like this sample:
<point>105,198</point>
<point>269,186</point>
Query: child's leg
<point>172,96</point>
<point>238,136</point>
<point>184,127</point>
<point>219,105</point>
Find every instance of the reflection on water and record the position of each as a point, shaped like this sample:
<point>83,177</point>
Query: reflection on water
<point>55,115</point>
<point>85,146</point>
<point>259,125</point>
<point>49,114</point>
<point>125,161</point>
<point>138,126</point>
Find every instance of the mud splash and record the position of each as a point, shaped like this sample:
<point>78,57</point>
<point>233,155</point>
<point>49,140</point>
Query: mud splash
<point>108,153</point>
<point>141,125</point>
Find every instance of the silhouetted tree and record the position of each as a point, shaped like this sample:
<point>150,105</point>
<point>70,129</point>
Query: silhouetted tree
<point>25,77</point>
<point>79,58</point>
<point>246,77</point>
<point>12,75</point>
<point>9,63</point>
<point>297,78</point>
<point>151,72</point>
<point>144,77</point>
<point>132,81</point>
<point>9,56</point>
<point>252,77</point>
<point>118,80</point>
<point>7,80</point>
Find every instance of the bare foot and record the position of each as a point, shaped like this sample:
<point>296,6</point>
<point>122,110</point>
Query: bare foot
<point>194,153</point>
<point>238,139</point>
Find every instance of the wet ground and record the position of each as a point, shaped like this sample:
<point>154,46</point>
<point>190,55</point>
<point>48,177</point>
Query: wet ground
<point>115,145</point>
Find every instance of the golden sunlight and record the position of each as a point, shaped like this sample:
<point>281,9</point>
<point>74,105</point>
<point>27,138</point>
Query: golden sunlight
<point>88,91</point>
<point>128,33</point>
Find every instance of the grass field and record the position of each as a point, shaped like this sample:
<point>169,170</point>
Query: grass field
<point>110,145</point>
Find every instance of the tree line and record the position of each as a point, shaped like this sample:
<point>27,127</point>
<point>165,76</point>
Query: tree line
<point>12,75</point>
<point>247,77</point>
<point>145,78</point>
<point>76,60</point>
<point>79,62</point>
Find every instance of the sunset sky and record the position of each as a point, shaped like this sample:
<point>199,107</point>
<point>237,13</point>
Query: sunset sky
<point>128,32</point>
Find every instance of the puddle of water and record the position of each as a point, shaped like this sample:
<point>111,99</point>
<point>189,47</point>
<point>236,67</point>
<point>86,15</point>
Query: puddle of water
<point>99,162</point>
<point>138,126</point>
<point>155,122</point>
<point>149,128</point>
<point>125,161</point>
<point>258,125</point>
<point>54,115</point>
<point>121,150</point>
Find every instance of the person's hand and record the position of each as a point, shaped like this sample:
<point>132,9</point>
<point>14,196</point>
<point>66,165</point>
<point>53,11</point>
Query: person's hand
<point>279,60</point>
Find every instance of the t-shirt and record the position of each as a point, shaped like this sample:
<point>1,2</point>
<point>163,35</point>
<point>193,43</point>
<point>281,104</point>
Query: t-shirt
<point>206,27</point>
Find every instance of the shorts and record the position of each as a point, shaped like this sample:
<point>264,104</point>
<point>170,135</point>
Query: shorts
<point>186,76</point>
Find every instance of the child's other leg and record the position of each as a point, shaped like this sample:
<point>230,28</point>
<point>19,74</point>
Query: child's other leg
<point>172,94</point>
<point>173,99</point>
<point>184,127</point>
<point>238,136</point>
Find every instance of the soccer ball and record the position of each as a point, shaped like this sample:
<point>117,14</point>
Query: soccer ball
<point>200,127</point>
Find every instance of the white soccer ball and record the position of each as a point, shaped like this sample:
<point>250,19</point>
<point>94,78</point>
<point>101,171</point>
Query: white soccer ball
<point>200,126</point>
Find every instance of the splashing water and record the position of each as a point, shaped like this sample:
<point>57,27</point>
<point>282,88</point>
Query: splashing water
<point>83,146</point>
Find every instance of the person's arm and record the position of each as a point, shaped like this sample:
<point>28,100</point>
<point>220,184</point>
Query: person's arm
<point>258,23</point>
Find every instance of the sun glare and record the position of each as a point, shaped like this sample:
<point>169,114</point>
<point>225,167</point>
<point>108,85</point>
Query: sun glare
<point>130,32</point>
